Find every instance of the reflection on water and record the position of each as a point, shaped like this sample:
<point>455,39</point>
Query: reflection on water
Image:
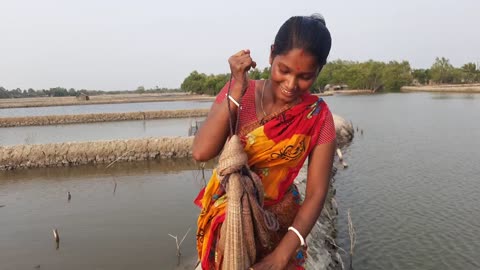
<point>118,218</point>
<point>105,108</point>
<point>455,96</point>
<point>96,131</point>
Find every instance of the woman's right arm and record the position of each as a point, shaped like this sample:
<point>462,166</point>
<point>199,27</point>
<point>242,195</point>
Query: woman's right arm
<point>213,133</point>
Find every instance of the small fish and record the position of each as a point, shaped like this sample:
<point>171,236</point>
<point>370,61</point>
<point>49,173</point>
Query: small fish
<point>69,196</point>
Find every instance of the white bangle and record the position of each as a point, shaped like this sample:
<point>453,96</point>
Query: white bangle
<point>302,241</point>
<point>233,100</point>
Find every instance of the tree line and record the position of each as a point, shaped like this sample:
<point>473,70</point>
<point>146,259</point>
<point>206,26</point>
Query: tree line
<point>64,92</point>
<point>373,75</point>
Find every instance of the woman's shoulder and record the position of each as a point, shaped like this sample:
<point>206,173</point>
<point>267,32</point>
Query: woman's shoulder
<point>253,87</point>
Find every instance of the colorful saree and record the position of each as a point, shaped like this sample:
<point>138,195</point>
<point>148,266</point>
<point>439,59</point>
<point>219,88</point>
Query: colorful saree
<point>276,151</point>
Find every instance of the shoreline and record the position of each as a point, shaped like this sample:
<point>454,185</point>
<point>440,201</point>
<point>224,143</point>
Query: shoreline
<point>45,120</point>
<point>354,92</point>
<point>443,88</point>
<point>10,103</point>
<point>100,99</point>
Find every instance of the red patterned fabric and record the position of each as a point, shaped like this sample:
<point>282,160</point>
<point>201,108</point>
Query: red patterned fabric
<point>248,113</point>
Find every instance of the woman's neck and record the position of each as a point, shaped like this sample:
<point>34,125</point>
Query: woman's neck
<point>271,102</point>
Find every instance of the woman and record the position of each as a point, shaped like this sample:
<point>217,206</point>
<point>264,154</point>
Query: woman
<point>280,125</point>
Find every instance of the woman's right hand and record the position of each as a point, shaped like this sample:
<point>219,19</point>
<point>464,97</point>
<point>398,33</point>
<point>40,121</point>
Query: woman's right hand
<point>240,63</point>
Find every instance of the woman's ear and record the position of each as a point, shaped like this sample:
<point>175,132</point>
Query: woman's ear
<point>320,69</point>
<point>271,55</point>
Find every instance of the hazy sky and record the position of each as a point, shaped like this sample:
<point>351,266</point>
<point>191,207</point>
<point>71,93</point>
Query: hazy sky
<point>120,45</point>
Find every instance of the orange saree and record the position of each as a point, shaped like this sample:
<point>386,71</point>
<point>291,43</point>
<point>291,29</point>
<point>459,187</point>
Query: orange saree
<point>276,152</point>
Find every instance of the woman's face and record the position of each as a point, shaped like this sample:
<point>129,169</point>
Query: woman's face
<point>293,74</point>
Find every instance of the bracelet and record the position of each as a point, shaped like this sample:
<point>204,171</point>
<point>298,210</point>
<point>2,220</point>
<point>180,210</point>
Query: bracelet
<point>233,100</point>
<point>302,241</point>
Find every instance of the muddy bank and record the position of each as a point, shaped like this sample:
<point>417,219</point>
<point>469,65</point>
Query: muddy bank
<point>354,92</point>
<point>100,99</point>
<point>77,153</point>
<point>322,253</point>
<point>98,117</point>
<point>444,88</point>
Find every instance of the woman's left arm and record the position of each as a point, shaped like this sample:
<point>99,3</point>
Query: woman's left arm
<point>318,180</point>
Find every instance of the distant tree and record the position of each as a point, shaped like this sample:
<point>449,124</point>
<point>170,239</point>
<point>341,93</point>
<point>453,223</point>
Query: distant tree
<point>194,83</point>
<point>58,92</point>
<point>442,71</point>
<point>470,72</point>
<point>4,93</point>
<point>140,89</point>
<point>72,92</point>
<point>396,75</point>
<point>255,74</point>
<point>422,76</point>
<point>31,92</point>
<point>372,75</point>
<point>220,81</point>
<point>16,93</point>
<point>265,73</point>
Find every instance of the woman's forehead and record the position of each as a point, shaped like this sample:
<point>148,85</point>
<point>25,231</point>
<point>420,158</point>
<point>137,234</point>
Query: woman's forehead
<point>298,59</point>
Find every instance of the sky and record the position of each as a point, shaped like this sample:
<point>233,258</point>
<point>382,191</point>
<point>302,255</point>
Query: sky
<point>120,45</point>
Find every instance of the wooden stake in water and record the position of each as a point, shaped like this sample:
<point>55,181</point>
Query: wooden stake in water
<point>353,237</point>
<point>179,243</point>
<point>340,157</point>
<point>56,236</point>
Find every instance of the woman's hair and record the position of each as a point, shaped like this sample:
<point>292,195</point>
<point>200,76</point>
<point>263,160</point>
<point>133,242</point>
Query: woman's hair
<point>304,32</point>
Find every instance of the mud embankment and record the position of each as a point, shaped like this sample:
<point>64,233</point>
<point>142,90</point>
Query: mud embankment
<point>100,99</point>
<point>78,153</point>
<point>444,88</point>
<point>98,117</point>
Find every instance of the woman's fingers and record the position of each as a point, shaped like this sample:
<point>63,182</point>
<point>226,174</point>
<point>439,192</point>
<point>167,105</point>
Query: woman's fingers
<point>242,52</point>
<point>241,62</point>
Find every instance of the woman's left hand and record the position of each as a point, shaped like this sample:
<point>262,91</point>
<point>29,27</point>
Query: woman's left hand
<point>271,262</point>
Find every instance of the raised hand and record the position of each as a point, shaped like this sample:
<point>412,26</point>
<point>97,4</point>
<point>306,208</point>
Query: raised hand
<point>240,63</point>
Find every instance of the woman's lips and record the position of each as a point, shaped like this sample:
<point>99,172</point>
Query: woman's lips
<point>288,93</point>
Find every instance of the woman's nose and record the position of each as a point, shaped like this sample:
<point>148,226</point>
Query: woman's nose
<point>292,83</point>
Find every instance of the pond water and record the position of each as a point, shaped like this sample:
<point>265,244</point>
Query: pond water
<point>96,131</point>
<point>412,187</point>
<point>117,218</point>
<point>413,181</point>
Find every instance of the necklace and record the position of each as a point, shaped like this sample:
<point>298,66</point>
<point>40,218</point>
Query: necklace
<point>261,99</point>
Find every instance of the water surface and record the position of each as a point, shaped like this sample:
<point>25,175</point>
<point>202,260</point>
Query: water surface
<point>117,218</point>
<point>413,181</point>
<point>118,130</point>
<point>412,187</point>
